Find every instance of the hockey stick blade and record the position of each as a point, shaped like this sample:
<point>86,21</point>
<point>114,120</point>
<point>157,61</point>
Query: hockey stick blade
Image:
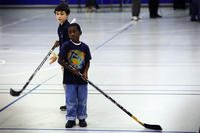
<point>154,127</point>
<point>14,93</point>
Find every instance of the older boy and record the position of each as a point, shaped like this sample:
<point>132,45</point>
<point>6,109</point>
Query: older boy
<point>62,12</point>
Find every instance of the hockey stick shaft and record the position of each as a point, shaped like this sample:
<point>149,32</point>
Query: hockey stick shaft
<point>17,93</point>
<point>117,104</point>
<point>154,127</point>
<point>38,68</point>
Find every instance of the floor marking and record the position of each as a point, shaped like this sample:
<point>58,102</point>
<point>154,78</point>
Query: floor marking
<point>2,62</point>
<point>91,130</point>
<point>26,93</point>
<point>118,93</point>
<point>20,21</point>
<point>29,35</point>
<point>22,52</point>
<point>143,85</point>
<point>120,30</point>
<point>29,72</point>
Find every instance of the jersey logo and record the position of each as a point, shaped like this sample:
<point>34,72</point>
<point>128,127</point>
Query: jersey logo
<point>76,58</point>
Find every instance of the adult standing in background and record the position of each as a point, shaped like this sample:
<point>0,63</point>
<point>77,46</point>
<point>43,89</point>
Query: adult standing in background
<point>179,4</point>
<point>153,9</point>
<point>64,1</point>
<point>90,5</point>
<point>136,5</point>
<point>195,10</point>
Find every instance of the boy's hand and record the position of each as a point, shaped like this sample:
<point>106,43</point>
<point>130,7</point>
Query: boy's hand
<point>56,44</point>
<point>85,76</point>
<point>75,72</point>
<point>53,58</point>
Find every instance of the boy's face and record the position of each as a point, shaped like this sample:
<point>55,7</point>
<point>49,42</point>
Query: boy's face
<point>74,34</point>
<point>61,16</point>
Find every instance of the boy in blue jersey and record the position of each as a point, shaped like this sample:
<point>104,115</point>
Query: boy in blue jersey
<point>77,54</point>
<point>61,12</point>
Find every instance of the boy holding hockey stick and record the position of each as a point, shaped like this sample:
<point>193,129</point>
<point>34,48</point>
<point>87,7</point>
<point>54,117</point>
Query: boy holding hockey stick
<point>76,54</point>
<point>61,12</point>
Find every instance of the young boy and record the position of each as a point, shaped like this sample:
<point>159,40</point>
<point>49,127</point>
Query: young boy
<point>77,54</point>
<point>62,12</point>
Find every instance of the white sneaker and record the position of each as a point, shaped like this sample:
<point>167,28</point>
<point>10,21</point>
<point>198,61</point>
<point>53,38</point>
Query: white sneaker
<point>135,18</point>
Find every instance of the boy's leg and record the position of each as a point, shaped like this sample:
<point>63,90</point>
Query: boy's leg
<point>82,105</point>
<point>82,102</point>
<point>71,102</point>
<point>63,108</point>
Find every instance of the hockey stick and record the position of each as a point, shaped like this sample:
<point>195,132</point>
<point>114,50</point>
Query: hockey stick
<point>17,93</point>
<point>149,126</point>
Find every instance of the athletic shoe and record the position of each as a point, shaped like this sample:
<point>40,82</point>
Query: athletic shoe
<point>63,108</point>
<point>193,19</point>
<point>82,123</point>
<point>158,16</point>
<point>155,16</point>
<point>70,124</point>
<point>135,18</point>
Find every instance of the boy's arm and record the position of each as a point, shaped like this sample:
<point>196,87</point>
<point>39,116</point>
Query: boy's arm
<point>85,72</point>
<point>54,56</point>
<point>61,61</point>
<point>57,43</point>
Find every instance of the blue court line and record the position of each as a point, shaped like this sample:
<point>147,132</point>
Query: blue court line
<point>89,130</point>
<point>116,34</point>
<point>26,93</point>
<point>113,93</point>
<point>129,84</point>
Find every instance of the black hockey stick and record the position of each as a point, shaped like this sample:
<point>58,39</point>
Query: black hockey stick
<point>154,127</point>
<point>149,126</point>
<point>17,93</point>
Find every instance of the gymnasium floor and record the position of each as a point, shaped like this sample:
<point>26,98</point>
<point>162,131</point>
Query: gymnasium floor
<point>150,67</point>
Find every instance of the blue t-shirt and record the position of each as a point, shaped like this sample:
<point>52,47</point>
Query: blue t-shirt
<point>63,32</point>
<point>77,56</point>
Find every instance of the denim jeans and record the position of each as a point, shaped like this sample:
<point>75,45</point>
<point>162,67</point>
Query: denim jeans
<point>76,101</point>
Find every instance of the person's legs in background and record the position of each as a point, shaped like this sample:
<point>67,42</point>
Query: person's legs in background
<point>64,1</point>
<point>198,15</point>
<point>193,10</point>
<point>136,5</point>
<point>153,9</point>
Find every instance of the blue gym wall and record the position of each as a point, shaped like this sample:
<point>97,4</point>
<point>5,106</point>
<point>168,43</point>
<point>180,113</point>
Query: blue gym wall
<point>55,2</point>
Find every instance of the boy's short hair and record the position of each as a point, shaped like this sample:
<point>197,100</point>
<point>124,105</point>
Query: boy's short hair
<point>77,26</point>
<point>62,7</point>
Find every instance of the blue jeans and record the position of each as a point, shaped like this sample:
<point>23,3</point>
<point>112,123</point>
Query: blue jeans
<point>76,101</point>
